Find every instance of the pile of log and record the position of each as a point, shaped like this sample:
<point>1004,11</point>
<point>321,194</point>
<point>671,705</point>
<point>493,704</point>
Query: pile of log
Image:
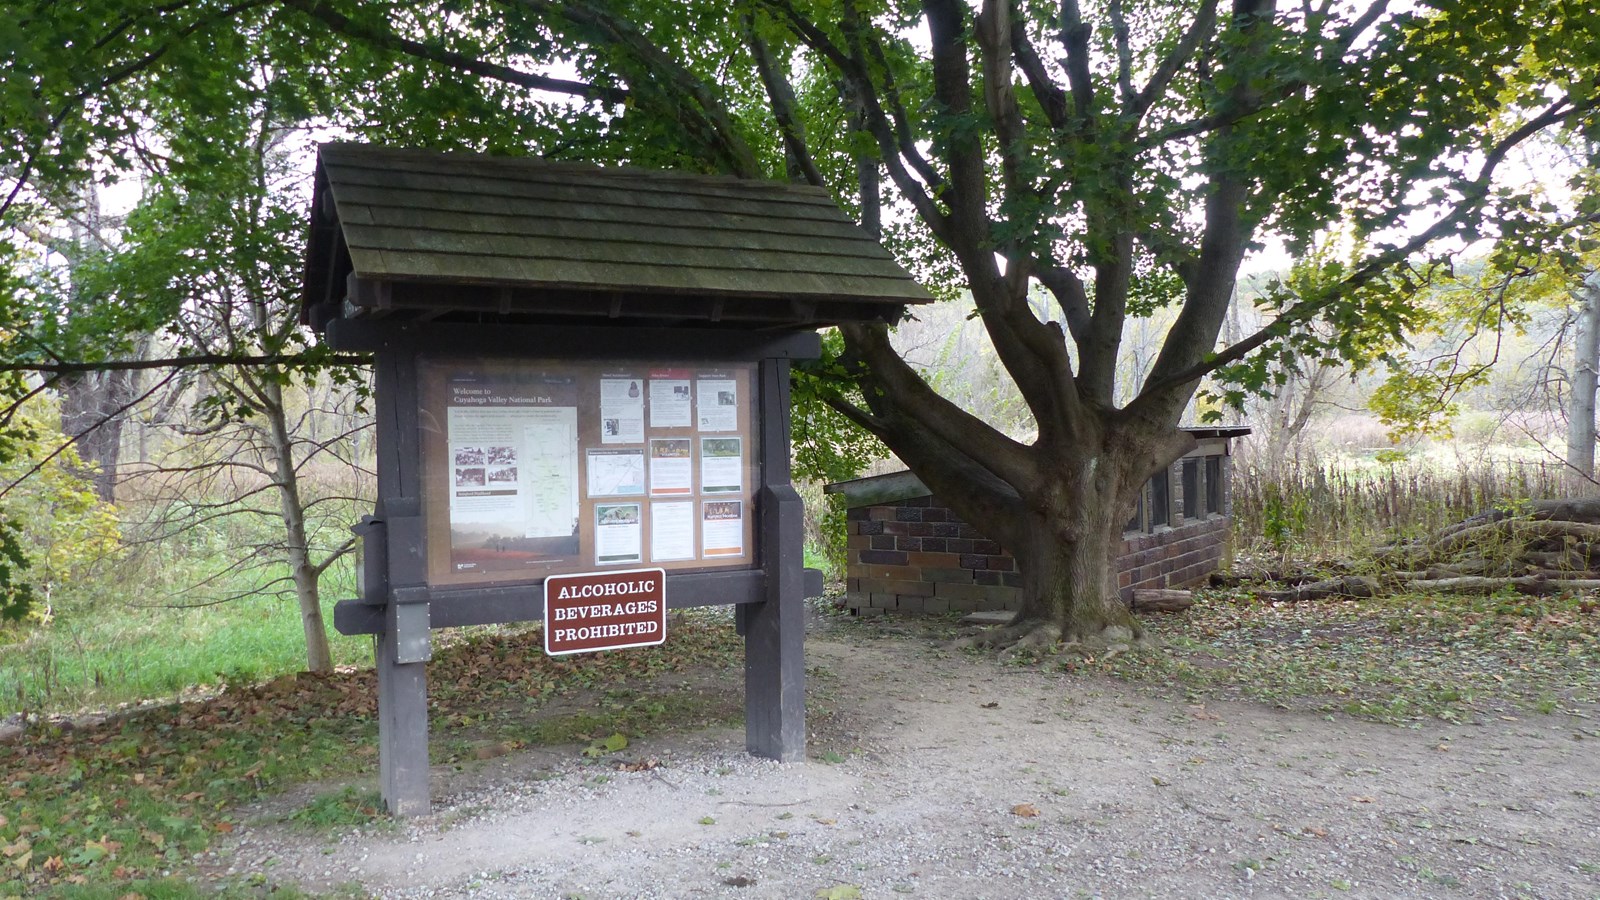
<point>1539,547</point>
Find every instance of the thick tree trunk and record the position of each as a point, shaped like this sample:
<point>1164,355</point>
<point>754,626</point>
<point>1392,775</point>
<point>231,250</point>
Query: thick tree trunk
<point>1067,557</point>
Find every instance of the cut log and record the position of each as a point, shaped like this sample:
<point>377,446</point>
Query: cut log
<point>1349,586</point>
<point>1149,600</point>
<point>1520,530</point>
<point>1532,585</point>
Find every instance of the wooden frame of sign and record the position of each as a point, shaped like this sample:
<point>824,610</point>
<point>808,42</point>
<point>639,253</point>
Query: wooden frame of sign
<point>412,584</point>
<point>520,312</point>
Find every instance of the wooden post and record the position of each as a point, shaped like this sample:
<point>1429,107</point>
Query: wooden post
<point>402,647</point>
<point>774,630</point>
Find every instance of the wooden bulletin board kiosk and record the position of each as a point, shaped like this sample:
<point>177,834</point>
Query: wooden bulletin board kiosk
<point>582,374</point>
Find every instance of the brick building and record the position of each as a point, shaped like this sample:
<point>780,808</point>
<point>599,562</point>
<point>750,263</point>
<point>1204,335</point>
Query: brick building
<point>907,551</point>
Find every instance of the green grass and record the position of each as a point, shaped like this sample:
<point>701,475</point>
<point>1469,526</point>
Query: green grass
<point>107,810</point>
<point>121,652</point>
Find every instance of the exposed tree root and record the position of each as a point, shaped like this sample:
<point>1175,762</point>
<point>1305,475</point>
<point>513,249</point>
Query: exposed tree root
<point>1041,636</point>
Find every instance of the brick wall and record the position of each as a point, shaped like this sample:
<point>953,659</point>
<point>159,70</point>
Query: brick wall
<point>917,556</point>
<point>1175,557</point>
<point>907,552</point>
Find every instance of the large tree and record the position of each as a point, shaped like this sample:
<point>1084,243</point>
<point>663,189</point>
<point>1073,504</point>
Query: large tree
<point>1119,156</point>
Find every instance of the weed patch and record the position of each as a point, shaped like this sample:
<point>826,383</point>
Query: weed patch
<point>1393,659</point>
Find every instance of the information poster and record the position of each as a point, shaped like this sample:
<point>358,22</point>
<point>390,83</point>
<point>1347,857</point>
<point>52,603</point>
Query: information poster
<point>670,406</point>
<point>671,467</point>
<point>618,533</point>
<point>621,410</point>
<point>616,473</point>
<point>513,478</point>
<point>721,465</point>
<point>671,531</point>
<point>535,468</point>
<point>722,528</point>
<point>718,404</point>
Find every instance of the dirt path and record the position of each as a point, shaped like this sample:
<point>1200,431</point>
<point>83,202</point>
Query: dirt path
<point>922,762</point>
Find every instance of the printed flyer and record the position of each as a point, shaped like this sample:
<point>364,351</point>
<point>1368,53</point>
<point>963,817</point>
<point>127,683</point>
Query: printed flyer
<point>671,468</point>
<point>618,533</point>
<point>616,473</point>
<point>722,527</point>
<point>718,404</point>
<point>671,531</point>
<point>721,465</point>
<point>669,399</point>
<point>621,410</point>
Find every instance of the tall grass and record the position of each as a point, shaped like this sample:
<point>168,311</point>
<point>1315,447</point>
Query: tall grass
<point>1347,506</point>
<point>131,651</point>
<point>196,606</point>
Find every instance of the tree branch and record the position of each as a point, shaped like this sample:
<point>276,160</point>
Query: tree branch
<point>388,40</point>
<point>182,362</point>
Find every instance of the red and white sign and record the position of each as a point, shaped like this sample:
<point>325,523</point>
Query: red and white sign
<point>604,610</point>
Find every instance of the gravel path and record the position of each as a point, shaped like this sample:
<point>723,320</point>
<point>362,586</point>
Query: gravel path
<point>948,776</point>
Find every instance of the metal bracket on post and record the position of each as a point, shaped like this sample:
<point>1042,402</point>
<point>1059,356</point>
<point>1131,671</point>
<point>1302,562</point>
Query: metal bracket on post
<point>413,640</point>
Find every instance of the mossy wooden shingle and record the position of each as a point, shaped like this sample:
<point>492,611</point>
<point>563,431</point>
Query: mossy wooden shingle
<point>528,229</point>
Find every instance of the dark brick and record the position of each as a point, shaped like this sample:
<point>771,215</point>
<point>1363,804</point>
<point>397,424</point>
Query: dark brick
<point>974,561</point>
<point>908,514</point>
<point>986,547</point>
<point>967,531</point>
<point>921,529</point>
<point>952,576</point>
<point>947,530</point>
<point>1002,563</point>
<point>858,514</point>
<point>958,545</point>
<point>897,528</point>
<point>884,557</point>
<point>871,528</point>
<point>880,513</point>
<point>936,514</point>
<point>934,545</point>
<point>908,543</point>
<point>882,542</point>
<point>901,588</point>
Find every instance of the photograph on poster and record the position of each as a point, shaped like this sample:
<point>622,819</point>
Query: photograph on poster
<point>721,465</point>
<point>669,399</point>
<point>618,533</point>
<point>671,531</point>
<point>722,527</point>
<point>671,468</point>
<point>621,410</point>
<point>718,404</point>
<point>616,473</point>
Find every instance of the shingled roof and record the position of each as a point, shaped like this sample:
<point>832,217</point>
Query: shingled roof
<point>526,239</point>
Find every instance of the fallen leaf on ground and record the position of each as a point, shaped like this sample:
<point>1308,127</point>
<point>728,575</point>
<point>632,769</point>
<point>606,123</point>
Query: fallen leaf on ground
<point>1026,810</point>
<point>1362,800</point>
<point>1315,831</point>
